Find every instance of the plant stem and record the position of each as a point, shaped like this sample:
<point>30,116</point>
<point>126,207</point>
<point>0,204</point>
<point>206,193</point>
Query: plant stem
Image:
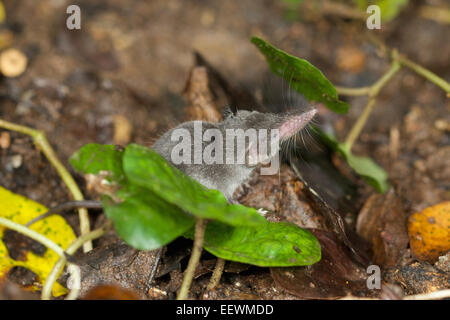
<point>217,274</point>
<point>377,86</point>
<point>353,91</point>
<point>425,73</point>
<point>74,270</point>
<point>373,92</point>
<point>359,124</point>
<point>51,279</point>
<point>57,268</point>
<point>199,236</point>
<point>32,234</point>
<point>97,233</point>
<point>41,141</point>
<point>75,276</point>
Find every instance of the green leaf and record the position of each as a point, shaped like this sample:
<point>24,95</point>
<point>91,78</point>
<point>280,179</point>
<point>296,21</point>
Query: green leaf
<point>144,220</point>
<point>371,172</point>
<point>302,76</point>
<point>146,168</point>
<point>95,158</point>
<point>141,218</point>
<point>273,244</point>
<point>389,8</point>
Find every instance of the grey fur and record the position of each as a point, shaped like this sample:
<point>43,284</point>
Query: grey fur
<point>223,177</point>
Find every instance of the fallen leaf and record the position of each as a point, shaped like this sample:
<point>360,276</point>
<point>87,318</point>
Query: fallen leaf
<point>21,210</point>
<point>335,276</point>
<point>110,292</point>
<point>418,277</point>
<point>429,232</point>
<point>116,264</point>
<point>201,102</point>
<point>382,222</point>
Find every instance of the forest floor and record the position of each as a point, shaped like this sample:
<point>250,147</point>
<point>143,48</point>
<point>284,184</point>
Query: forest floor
<point>130,63</point>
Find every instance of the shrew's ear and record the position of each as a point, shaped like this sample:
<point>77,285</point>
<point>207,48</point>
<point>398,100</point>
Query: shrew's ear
<point>294,123</point>
<point>228,112</point>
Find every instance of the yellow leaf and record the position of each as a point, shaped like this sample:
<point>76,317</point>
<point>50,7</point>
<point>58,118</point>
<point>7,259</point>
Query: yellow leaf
<point>2,12</point>
<point>429,232</point>
<point>21,210</point>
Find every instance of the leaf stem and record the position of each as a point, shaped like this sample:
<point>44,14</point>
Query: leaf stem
<point>51,278</point>
<point>217,274</point>
<point>199,236</point>
<point>42,143</point>
<point>32,234</point>
<point>359,124</point>
<point>425,73</point>
<point>373,92</point>
<point>57,268</point>
<point>362,91</point>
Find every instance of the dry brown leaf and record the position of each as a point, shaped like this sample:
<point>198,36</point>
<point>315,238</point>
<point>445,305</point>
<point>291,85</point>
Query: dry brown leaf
<point>334,276</point>
<point>110,292</point>
<point>382,222</point>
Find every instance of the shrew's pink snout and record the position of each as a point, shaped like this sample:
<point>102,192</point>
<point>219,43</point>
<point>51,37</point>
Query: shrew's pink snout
<point>296,123</point>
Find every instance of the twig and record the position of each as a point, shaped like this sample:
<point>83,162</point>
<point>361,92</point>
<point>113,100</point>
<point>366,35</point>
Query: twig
<point>91,204</point>
<point>217,274</point>
<point>57,268</point>
<point>200,225</point>
<point>154,268</point>
<point>425,296</point>
<point>430,296</point>
<point>41,142</point>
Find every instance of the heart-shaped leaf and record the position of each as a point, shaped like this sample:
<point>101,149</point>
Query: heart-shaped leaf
<point>144,220</point>
<point>271,244</point>
<point>146,168</point>
<point>141,218</point>
<point>154,203</point>
<point>302,76</point>
<point>95,158</point>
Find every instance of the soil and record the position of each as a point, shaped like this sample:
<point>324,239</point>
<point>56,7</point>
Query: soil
<point>132,59</point>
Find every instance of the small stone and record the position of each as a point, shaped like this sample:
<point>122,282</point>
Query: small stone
<point>442,125</point>
<point>16,161</point>
<point>122,130</point>
<point>12,62</point>
<point>5,140</point>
